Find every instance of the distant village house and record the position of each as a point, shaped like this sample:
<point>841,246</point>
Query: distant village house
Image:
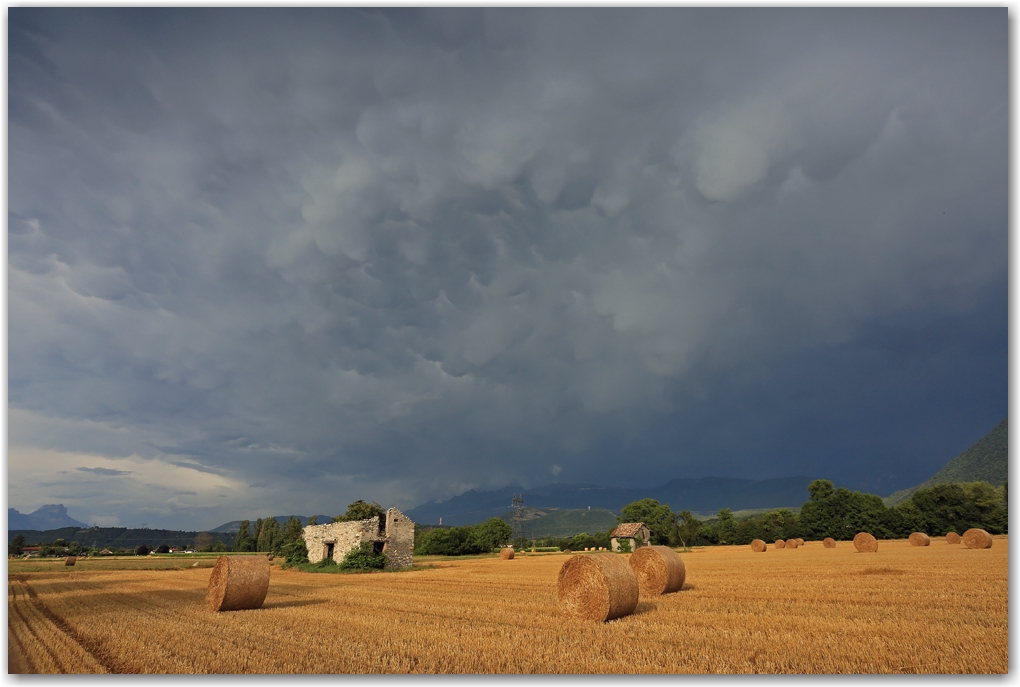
<point>635,533</point>
<point>395,538</point>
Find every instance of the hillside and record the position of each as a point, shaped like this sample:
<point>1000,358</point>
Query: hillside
<point>558,522</point>
<point>986,461</point>
<point>119,537</point>
<point>234,525</point>
<point>705,495</point>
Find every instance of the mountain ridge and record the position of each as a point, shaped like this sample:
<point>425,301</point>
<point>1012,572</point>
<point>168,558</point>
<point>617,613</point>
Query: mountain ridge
<point>987,460</point>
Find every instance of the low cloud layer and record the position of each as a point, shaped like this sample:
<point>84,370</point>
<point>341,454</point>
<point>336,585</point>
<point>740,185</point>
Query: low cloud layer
<point>276,260</point>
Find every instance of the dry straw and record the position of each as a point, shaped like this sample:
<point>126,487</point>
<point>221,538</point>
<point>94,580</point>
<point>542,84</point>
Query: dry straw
<point>800,542</point>
<point>953,538</point>
<point>238,583</point>
<point>920,539</point>
<point>70,560</point>
<point>659,570</point>
<point>791,543</point>
<point>975,538</point>
<point>865,543</point>
<point>758,546</point>
<point>506,553</point>
<point>829,543</point>
<point>600,587</point>
<point>780,544</point>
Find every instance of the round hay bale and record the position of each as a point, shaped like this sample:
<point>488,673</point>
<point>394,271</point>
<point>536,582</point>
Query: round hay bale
<point>507,553</point>
<point>70,560</point>
<point>975,538</point>
<point>659,570</point>
<point>238,583</point>
<point>953,538</point>
<point>800,542</point>
<point>600,587</point>
<point>780,544</point>
<point>829,543</point>
<point>865,543</point>
<point>758,546</point>
<point>920,539</point>
<point>567,551</point>
<point>791,543</point>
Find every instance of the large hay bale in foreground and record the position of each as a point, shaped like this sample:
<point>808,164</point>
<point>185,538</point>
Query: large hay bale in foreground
<point>920,539</point>
<point>791,543</point>
<point>780,544</point>
<point>238,583</point>
<point>507,553</point>
<point>758,546</point>
<point>829,543</point>
<point>865,543</point>
<point>600,587</point>
<point>70,560</point>
<point>953,538</point>
<point>976,538</point>
<point>659,570</point>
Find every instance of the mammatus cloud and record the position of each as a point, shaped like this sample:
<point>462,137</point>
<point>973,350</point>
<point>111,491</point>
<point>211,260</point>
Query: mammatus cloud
<point>294,258</point>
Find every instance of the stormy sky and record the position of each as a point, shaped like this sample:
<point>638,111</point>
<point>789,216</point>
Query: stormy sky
<point>270,261</point>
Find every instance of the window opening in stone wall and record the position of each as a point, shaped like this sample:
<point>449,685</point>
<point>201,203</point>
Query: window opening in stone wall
<point>327,551</point>
<point>378,547</point>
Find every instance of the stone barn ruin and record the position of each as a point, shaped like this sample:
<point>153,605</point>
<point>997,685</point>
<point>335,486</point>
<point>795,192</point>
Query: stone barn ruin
<point>394,537</point>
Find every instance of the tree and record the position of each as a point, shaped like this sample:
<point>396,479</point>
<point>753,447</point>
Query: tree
<point>359,510</point>
<point>243,540</point>
<point>218,546</point>
<point>659,519</point>
<point>493,533</point>
<point>142,550</point>
<point>268,535</point>
<point>203,542</point>
<point>688,528</point>
<point>820,489</point>
<point>314,520</point>
<point>162,548</point>
<point>17,544</point>
<point>727,530</point>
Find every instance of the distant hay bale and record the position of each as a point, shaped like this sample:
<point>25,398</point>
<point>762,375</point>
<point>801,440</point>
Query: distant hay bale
<point>780,544</point>
<point>238,583</point>
<point>507,553</point>
<point>865,543</point>
<point>567,551</point>
<point>920,539</point>
<point>600,587</point>
<point>976,538</point>
<point>758,546</point>
<point>791,543</point>
<point>829,543</point>
<point>659,570</point>
<point>800,542</point>
<point>953,538</point>
<point>70,560</point>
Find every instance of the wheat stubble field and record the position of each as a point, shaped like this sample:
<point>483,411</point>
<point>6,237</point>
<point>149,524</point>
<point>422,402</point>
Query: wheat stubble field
<point>936,609</point>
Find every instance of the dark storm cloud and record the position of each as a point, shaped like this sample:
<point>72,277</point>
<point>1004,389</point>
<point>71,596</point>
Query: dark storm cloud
<point>106,472</point>
<point>397,254</point>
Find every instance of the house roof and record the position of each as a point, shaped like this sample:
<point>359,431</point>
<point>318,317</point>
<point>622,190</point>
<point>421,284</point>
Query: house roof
<point>627,529</point>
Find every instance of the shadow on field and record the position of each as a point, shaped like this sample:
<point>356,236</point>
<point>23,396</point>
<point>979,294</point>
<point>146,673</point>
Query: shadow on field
<point>293,603</point>
<point>644,607</point>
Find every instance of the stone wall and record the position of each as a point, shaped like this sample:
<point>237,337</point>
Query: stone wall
<point>398,539</point>
<point>343,535</point>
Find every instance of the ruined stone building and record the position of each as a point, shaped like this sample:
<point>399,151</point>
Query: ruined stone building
<point>395,539</point>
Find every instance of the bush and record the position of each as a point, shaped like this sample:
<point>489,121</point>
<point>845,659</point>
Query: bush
<point>294,552</point>
<point>363,558</point>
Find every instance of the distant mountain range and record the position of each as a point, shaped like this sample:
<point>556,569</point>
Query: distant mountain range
<point>703,496</point>
<point>48,517</point>
<point>986,461</point>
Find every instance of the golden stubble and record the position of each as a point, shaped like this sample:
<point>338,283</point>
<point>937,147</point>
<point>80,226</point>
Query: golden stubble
<point>902,609</point>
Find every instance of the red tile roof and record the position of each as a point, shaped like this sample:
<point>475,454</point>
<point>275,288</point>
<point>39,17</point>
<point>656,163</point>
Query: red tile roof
<point>626,529</point>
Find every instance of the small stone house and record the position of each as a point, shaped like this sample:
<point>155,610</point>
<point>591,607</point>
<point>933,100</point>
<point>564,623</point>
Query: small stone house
<point>633,532</point>
<point>395,539</point>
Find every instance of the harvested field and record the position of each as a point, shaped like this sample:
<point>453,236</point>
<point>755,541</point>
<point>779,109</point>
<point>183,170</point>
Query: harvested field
<point>902,609</point>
